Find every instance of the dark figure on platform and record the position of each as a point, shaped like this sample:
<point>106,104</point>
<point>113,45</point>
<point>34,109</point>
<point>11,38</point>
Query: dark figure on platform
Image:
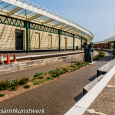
<point>86,52</point>
<point>90,47</point>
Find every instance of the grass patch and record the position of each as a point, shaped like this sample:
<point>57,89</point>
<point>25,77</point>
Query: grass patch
<point>1,95</point>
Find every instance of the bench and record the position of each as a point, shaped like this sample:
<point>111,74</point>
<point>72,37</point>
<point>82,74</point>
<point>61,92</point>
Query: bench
<point>106,68</point>
<point>89,86</point>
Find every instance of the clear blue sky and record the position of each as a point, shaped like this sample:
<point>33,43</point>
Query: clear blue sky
<point>98,16</point>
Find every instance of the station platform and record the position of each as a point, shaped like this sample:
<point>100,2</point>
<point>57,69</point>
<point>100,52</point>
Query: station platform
<point>40,55</point>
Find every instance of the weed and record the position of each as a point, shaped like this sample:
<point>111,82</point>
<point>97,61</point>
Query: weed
<point>53,72</point>
<point>26,86</point>
<point>14,83</point>
<point>57,68</point>
<point>41,76</point>
<point>36,83</point>
<point>1,95</point>
<point>4,85</point>
<point>73,65</point>
<point>38,74</point>
<point>33,80</point>
<point>23,81</point>
<point>13,88</point>
<point>57,74</point>
<point>65,68</point>
<point>53,76</point>
<point>45,73</point>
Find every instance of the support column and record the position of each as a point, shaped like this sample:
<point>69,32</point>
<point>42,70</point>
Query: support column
<point>73,42</point>
<point>81,43</point>
<point>59,33</point>
<point>27,26</point>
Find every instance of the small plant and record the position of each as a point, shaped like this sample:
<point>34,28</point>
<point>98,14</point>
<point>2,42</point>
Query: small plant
<point>33,80</point>
<point>57,74</point>
<point>53,72</point>
<point>50,78</point>
<point>14,83</point>
<point>41,76</point>
<point>53,76</point>
<point>23,81</point>
<point>13,88</point>
<point>39,82</point>
<point>45,73</point>
<point>26,86</point>
<point>43,81</point>
<point>65,68</point>
<point>38,74</point>
<point>73,65</point>
<point>36,83</point>
<point>4,85</point>
<point>64,71</point>
<point>57,68</point>
<point>1,95</point>
<point>99,56</point>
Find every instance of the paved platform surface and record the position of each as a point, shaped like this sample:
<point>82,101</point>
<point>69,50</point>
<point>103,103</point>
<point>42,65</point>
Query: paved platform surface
<point>105,102</point>
<point>20,54</point>
<point>58,96</point>
<point>41,69</point>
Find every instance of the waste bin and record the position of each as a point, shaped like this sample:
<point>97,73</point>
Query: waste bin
<point>76,47</point>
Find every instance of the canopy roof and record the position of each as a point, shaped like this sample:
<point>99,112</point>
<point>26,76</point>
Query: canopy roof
<point>23,9</point>
<point>110,39</point>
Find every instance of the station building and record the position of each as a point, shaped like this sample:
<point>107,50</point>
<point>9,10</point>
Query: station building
<point>108,43</point>
<point>25,26</point>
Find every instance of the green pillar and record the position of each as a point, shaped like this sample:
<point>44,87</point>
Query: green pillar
<point>73,41</point>
<point>59,33</point>
<point>27,26</point>
<point>81,43</point>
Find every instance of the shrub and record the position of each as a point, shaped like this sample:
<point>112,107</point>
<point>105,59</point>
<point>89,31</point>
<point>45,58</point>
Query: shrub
<point>4,85</point>
<point>14,83</point>
<point>57,74</point>
<point>45,73</point>
<point>39,82</point>
<point>13,88</point>
<point>38,74</point>
<point>99,56</point>
<point>57,68</point>
<point>53,76</point>
<point>86,63</point>
<point>43,81</point>
<point>1,95</point>
<point>33,80</point>
<point>36,83</point>
<point>65,68</point>
<point>79,63</point>
<point>23,81</point>
<point>49,78</point>
<point>26,86</point>
<point>61,72</point>
<point>76,68</point>
<point>73,65</point>
<point>53,72</point>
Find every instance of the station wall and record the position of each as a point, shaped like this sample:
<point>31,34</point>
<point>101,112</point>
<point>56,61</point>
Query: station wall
<point>38,40</point>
